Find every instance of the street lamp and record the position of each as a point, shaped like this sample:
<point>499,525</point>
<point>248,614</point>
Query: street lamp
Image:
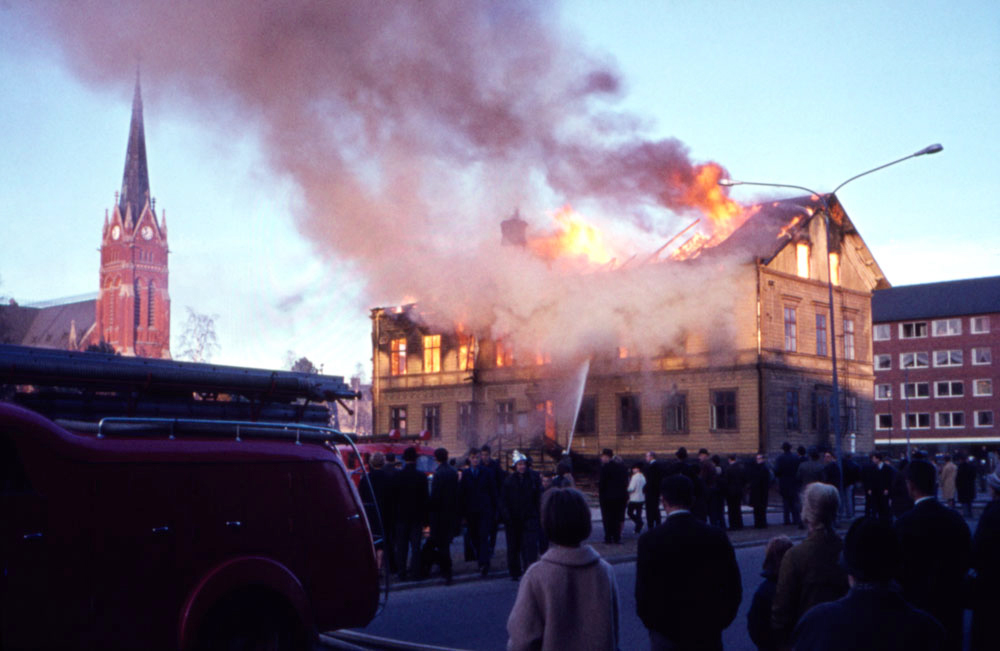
<point>930,149</point>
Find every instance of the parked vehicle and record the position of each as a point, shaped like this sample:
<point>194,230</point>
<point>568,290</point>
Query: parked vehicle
<point>137,531</point>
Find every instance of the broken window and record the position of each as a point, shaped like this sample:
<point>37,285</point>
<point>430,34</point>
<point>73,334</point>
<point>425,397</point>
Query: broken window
<point>586,418</point>
<point>802,259</point>
<point>432,354</point>
<point>466,352</point>
<point>397,357</point>
<point>834,267</point>
<point>675,413</point>
<point>397,419</point>
<point>505,353</point>
<point>629,421</point>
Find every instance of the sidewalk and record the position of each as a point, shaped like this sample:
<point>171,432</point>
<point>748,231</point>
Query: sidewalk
<point>625,552</point>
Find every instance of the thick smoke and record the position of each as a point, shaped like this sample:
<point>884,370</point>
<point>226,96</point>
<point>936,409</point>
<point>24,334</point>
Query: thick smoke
<point>411,129</point>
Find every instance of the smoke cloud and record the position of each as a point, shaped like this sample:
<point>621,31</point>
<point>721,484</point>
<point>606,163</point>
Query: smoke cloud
<point>411,129</point>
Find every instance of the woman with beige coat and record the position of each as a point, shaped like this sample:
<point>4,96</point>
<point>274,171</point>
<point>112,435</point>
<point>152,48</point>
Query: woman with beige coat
<point>948,474</point>
<point>568,599</point>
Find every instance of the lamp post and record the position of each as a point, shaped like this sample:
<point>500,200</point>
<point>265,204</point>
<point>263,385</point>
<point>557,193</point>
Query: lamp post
<point>835,397</point>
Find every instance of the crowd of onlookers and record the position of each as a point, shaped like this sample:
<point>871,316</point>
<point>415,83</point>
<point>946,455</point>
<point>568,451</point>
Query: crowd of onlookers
<point>901,578</point>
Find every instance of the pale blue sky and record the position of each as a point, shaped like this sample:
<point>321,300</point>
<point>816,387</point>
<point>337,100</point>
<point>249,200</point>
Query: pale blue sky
<point>806,93</point>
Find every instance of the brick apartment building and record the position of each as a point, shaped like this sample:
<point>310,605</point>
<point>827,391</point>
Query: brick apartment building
<point>772,382</point>
<point>935,372</point>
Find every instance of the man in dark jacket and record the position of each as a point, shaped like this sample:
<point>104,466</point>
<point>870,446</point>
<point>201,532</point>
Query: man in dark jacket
<point>494,467</point>
<point>877,485</point>
<point>654,475</point>
<point>811,470</point>
<point>443,516</point>
<point>410,497</point>
<point>612,494</point>
<point>785,469</point>
<point>478,493</point>
<point>935,552</point>
<point>736,482</point>
<point>852,475</point>
<point>873,616</point>
<point>986,563</point>
<point>965,484</point>
<point>687,581</point>
<point>520,504</point>
<point>375,496</point>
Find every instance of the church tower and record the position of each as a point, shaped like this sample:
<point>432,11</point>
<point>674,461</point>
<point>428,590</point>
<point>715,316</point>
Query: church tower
<point>133,306</point>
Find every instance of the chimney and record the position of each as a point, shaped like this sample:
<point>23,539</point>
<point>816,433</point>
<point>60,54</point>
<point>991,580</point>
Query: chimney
<point>513,230</point>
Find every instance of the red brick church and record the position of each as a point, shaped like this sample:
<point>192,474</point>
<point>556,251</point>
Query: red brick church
<point>132,310</point>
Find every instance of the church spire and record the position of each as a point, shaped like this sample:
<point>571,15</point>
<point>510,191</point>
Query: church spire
<point>135,180</point>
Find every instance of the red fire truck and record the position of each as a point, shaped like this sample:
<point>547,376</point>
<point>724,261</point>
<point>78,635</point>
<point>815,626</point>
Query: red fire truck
<point>141,510</point>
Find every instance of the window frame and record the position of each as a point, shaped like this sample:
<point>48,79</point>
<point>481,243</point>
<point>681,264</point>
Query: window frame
<point>849,344</point>
<point>728,406</point>
<point>505,413</point>
<point>674,414</point>
<point>916,357</point>
<point>979,331</point>
<point>950,352</point>
<point>398,418</point>
<point>435,428</point>
<point>591,420</point>
<point>879,328</point>
<point>950,327</point>
<point>791,329</point>
<point>916,416</point>
<point>951,386</point>
<point>904,386</point>
<point>888,392</point>
<point>878,421</point>
<point>793,411</point>
<point>822,332</point>
<point>876,362</point>
<point>939,417</point>
<point>432,353</point>
<point>989,355</point>
<point>975,418</point>
<point>916,327</point>
<point>397,356</point>
<point>975,387</point>
<point>629,416</point>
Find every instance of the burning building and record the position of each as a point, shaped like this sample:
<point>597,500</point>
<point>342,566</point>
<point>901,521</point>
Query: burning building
<point>723,343</point>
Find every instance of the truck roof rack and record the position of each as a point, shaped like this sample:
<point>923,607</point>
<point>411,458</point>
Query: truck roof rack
<point>87,386</point>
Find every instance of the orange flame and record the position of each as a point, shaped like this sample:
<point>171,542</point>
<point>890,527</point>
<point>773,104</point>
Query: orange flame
<point>574,238</point>
<point>705,194</point>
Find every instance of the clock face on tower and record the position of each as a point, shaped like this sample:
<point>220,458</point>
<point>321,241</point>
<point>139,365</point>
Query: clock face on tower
<point>116,232</point>
<point>147,232</point>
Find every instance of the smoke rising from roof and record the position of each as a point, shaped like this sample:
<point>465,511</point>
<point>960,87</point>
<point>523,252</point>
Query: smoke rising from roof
<point>412,129</point>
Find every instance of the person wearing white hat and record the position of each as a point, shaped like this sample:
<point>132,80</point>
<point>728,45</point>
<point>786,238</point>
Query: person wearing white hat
<point>520,502</point>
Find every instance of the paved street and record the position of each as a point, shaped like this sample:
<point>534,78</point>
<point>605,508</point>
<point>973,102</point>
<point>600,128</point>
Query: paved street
<point>473,615</point>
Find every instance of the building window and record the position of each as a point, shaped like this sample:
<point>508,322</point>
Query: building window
<point>982,356</point>
<point>151,305</point>
<point>984,418</point>
<point>949,389</point>
<point>802,259</point>
<point>505,417</point>
<point>883,421</point>
<point>432,354</point>
<point>546,410</point>
<point>723,410</point>
<point>505,354</point>
<point>432,420</point>
<point>835,268</point>
<point>948,357</point>
<point>848,338</point>
<point>541,359</point>
<point>883,362</point>
<point>979,325</point>
<point>397,419</point>
<point>946,327</point>
<point>628,414</point>
<point>882,332</point>
<point>918,421</point>
<point>915,390</point>
<point>792,410</point>
<point>821,334</point>
<point>466,352</point>
<point>913,360</point>
<point>950,419</point>
<point>586,418</point>
<point>982,387</point>
<point>791,337</point>
<point>397,357</point>
<point>883,392</point>
<point>822,420</point>
<point>137,305</point>
<point>675,414</point>
<point>913,330</point>
<point>467,420</point>
<point>852,413</point>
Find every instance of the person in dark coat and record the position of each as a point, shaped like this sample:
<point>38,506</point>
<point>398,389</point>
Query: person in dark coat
<point>935,552</point>
<point>811,470</point>
<point>478,493</point>
<point>873,616</point>
<point>494,467</point>
<point>878,484</point>
<point>375,496</point>
<point>736,482</point>
<point>986,563</point>
<point>443,515</point>
<point>759,615</point>
<point>520,504</point>
<point>852,475</point>
<point>965,484</point>
<point>717,496</point>
<point>612,494</point>
<point>899,495</point>
<point>759,480</point>
<point>785,470</point>
<point>389,515</point>
<point>687,581</point>
<point>410,496</point>
<point>654,475</point>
